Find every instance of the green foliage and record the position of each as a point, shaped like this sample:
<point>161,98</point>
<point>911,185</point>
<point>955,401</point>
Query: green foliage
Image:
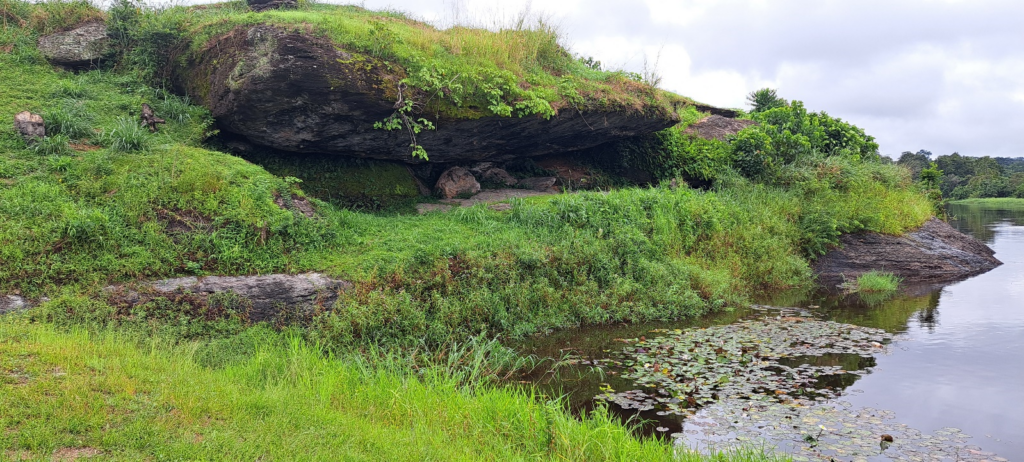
<point>765,99</point>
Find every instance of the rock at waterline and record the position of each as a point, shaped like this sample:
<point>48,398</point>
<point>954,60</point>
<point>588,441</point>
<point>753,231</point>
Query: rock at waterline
<point>264,296</point>
<point>934,253</point>
<point>29,125</point>
<point>80,47</point>
<point>455,182</point>
<point>303,93</point>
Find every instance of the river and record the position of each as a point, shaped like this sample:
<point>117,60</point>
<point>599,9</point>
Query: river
<point>950,386</point>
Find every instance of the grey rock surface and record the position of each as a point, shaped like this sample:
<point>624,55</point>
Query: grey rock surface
<point>268,294</point>
<point>79,47</point>
<point>10,303</point>
<point>934,253</point>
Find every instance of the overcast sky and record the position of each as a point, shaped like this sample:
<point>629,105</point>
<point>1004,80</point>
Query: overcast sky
<point>942,75</point>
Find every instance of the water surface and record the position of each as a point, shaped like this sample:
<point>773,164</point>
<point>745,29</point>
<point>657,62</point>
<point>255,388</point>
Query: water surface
<point>956,364</point>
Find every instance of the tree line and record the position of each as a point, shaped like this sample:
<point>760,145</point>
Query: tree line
<point>963,177</point>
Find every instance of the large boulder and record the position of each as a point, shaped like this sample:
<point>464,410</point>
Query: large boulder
<point>301,93</point>
<point>455,182</point>
<point>80,47</point>
<point>934,253</point>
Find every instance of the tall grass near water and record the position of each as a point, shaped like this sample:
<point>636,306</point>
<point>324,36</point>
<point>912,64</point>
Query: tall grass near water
<point>118,398</point>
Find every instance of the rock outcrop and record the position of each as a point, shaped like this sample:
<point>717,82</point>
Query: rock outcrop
<point>934,253</point>
<point>263,5</point>
<point>298,92</point>
<point>80,47</point>
<point>265,297</point>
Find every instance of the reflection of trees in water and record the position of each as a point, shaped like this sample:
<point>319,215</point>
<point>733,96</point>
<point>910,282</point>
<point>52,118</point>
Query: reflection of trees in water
<point>892,315</point>
<point>977,219</point>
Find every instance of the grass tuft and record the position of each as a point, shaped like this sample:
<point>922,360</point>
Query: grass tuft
<point>128,135</point>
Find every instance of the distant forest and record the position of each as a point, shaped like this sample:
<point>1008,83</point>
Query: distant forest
<point>964,177</point>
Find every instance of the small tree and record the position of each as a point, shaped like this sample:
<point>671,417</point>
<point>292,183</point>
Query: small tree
<point>765,99</point>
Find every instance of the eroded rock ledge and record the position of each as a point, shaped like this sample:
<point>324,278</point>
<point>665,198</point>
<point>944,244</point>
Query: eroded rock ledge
<point>263,298</point>
<point>935,253</point>
<point>297,92</point>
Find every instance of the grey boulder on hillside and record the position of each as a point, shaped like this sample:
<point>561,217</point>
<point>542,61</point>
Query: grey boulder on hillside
<point>266,297</point>
<point>80,47</point>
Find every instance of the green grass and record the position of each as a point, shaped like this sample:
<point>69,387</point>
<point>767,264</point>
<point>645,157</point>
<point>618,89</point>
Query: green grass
<point>877,282</point>
<point>132,399</point>
<point>993,202</point>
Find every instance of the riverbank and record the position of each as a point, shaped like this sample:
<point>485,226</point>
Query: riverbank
<point>102,201</point>
<point>114,396</point>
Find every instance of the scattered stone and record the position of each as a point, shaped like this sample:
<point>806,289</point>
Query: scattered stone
<point>296,204</point>
<point>498,176</point>
<point>80,47</point>
<point>10,303</point>
<point>269,295</point>
<point>934,253</point>
<point>263,5</point>
<point>456,181</point>
<point>150,119</point>
<point>427,208</point>
<point>29,125</point>
<point>542,183</point>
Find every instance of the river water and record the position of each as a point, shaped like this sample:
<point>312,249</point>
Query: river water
<point>949,387</point>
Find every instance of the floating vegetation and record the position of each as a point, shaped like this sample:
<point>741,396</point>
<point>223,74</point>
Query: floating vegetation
<point>756,360</point>
<point>835,431</point>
